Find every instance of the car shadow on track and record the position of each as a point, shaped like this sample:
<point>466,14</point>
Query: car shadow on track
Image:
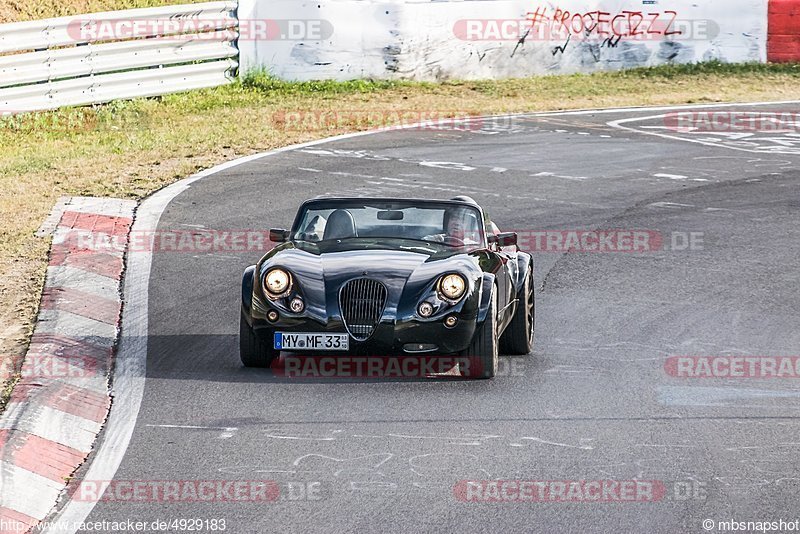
<point>215,358</point>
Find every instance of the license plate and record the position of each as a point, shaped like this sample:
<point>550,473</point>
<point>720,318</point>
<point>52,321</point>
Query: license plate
<point>311,341</point>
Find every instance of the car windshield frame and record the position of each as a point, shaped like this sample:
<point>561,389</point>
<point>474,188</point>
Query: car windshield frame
<point>386,204</point>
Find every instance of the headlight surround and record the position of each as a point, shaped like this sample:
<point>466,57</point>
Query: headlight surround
<point>452,286</point>
<point>277,282</point>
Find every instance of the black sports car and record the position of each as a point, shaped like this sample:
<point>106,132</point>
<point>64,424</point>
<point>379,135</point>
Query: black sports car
<point>384,276</point>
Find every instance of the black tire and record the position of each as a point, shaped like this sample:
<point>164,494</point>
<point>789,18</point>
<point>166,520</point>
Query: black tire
<point>518,337</point>
<point>252,350</point>
<point>483,353</point>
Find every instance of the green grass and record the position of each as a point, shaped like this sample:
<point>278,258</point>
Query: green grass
<point>713,68</point>
<point>264,82</point>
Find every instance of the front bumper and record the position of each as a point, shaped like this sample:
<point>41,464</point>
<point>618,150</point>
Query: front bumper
<point>391,337</point>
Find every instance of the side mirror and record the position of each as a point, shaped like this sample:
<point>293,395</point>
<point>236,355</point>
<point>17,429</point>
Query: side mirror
<point>278,235</point>
<point>506,239</point>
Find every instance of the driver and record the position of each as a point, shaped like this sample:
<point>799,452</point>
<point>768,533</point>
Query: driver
<point>460,226</point>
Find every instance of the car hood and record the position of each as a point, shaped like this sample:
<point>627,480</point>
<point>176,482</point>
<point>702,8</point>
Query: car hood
<point>407,274</point>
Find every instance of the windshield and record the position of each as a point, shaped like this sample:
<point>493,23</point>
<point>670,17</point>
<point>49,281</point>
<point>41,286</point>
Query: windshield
<point>446,223</point>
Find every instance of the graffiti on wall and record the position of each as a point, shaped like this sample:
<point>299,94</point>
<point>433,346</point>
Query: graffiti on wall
<point>606,29</point>
<point>592,30</point>
<point>482,39</point>
<point>636,24</point>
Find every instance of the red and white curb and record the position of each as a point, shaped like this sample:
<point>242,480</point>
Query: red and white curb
<point>60,404</point>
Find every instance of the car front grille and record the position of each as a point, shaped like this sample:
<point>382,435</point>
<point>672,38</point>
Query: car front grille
<point>361,302</point>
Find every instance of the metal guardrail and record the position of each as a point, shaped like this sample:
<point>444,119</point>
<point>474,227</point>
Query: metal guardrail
<point>72,61</point>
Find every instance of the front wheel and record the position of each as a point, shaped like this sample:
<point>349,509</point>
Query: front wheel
<point>252,350</point>
<point>518,337</point>
<point>483,353</point>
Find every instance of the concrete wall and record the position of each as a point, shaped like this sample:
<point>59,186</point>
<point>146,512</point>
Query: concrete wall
<point>474,39</point>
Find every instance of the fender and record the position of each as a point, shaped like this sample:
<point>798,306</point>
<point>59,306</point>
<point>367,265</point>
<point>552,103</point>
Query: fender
<point>247,287</point>
<point>485,296</point>
<point>524,262</point>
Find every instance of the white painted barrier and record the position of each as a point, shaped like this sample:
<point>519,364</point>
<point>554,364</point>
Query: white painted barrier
<point>474,39</point>
<point>90,59</point>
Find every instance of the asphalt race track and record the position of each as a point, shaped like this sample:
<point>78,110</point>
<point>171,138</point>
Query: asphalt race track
<point>593,402</point>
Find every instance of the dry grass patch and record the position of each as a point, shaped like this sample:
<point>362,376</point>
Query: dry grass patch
<point>22,10</point>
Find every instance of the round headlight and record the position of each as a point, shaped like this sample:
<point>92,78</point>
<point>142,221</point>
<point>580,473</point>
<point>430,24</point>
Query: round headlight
<point>277,281</point>
<point>453,286</point>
